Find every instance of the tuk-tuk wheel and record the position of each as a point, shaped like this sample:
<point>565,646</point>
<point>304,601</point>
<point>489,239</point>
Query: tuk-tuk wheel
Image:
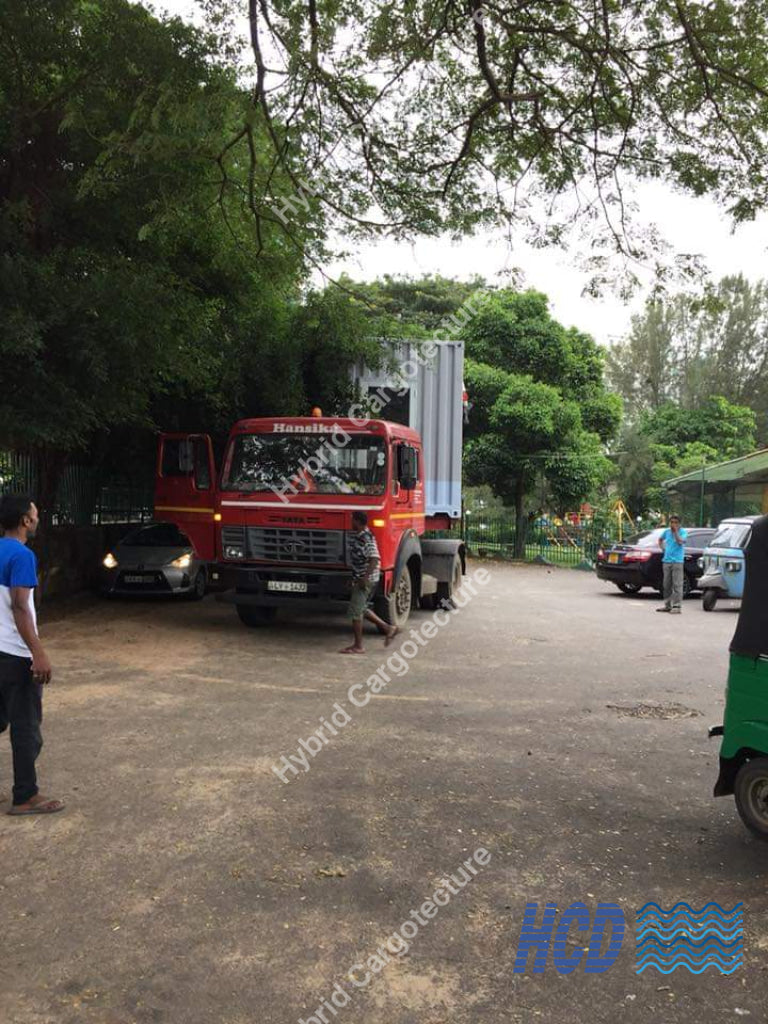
<point>751,794</point>
<point>709,599</point>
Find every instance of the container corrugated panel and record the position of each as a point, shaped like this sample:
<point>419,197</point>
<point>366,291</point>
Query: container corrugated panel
<point>436,411</point>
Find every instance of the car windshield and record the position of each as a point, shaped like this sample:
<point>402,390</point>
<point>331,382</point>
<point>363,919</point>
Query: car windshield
<point>650,539</point>
<point>730,535</point>
<point>161,535</point>
<point>306,464</point>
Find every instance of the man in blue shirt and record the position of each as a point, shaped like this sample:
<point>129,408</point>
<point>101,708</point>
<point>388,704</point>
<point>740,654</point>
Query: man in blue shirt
<point>24,665</point>
<point>672,543</point>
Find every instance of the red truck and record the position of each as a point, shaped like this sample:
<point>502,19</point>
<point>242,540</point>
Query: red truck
<point>273,524</point>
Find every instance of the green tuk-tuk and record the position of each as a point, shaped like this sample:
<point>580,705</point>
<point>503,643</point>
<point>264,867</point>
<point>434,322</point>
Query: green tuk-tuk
<point>744,750</point>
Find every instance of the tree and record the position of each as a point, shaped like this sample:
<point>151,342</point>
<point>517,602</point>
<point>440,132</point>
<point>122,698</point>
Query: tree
<point>539,405</point>
<point>672,441</point>
<point>412,307</point>
<point>414,117</point>
<point>115,266</point>
<point>689,346</point>
<point>134,293</point>
<point>725,428</point>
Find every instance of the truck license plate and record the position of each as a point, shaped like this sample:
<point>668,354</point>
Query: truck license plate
<point>296,588</point>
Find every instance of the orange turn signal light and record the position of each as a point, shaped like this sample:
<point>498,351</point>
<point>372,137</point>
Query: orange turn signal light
<point>217,517</point>
<point>379,522</point>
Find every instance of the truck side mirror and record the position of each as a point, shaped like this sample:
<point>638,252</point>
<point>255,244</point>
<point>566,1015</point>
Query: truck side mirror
<point>408,467</point>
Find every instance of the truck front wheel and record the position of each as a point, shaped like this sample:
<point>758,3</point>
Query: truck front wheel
<point>255,615</point>
<point>396,608</point>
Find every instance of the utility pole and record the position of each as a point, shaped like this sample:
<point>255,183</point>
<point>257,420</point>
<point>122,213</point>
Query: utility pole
<point>703,487</point>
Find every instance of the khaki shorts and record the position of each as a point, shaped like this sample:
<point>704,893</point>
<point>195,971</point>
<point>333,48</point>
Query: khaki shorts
<point>359,600</point>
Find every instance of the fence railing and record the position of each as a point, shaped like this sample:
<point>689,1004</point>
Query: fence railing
<point>562,543</point>
<point>84,496</point>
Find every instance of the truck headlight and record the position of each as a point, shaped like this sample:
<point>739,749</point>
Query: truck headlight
<point>182,562</point>
<point>233,552</point>
<point>110,562</point>
<point>733,566</point>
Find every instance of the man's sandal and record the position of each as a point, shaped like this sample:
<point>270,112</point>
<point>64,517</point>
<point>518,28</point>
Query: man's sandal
<point>44,807</point>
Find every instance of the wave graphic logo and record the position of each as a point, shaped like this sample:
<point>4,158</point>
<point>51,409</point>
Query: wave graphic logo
<point>693,939</point>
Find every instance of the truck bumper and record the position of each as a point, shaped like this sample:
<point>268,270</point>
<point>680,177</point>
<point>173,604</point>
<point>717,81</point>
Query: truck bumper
<point>326,589</point>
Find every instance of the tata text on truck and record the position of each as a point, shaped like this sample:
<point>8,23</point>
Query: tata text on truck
<point>274,523</point>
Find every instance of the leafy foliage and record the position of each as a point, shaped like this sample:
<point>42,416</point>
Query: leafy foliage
<point>540,411</point>
<point>134,292</point>
<point>672,441</point>
<point>690,346</point>
<point>414,117</point>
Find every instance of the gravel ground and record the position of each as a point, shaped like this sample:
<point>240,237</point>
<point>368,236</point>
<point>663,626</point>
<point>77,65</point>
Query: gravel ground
<point>552,722</point>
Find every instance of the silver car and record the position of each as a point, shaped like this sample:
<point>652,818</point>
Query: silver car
<point>154,559</point>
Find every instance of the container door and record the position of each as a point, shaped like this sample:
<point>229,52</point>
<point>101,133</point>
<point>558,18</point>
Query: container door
<point>185,488</point>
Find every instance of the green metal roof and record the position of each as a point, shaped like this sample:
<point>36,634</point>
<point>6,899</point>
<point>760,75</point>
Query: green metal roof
<point>752,468</point>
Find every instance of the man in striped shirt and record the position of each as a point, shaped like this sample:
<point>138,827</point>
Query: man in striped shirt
<point>365,561</point>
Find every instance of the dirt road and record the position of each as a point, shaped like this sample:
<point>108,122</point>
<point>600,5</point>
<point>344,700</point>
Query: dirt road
<point>552,722</point>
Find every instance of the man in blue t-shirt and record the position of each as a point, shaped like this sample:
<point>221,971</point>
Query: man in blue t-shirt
<point>24,665</point>
<point>672,543</point>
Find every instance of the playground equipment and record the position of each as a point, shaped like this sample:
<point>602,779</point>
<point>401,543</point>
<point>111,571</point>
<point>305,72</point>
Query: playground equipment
<point>619,510</point>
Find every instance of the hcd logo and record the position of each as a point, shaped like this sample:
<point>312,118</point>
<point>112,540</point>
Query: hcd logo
<point>693,939</point>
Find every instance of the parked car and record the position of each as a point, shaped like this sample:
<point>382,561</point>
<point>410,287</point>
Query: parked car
<point>722,564</point>
<point>154,559</point>
<point>636,562</point>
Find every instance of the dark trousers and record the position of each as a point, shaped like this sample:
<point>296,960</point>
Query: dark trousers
<point>21,707</point>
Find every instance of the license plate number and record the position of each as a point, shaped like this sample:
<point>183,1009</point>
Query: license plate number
<point>138,579</point>
<point>613,559</point>
<point>294,588</point>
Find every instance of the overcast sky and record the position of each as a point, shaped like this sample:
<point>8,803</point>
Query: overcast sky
<point>691,226</point>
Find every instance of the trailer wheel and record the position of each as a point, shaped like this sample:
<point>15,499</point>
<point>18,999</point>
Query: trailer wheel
<point>709,600</point>
<point>255,615</point>
<point>751,794</point>
<point>445,591</point>
<point>396,608</point>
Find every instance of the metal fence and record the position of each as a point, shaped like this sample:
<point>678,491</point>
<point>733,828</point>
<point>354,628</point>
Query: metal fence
<point>562,543</point>
<point>84,496</point>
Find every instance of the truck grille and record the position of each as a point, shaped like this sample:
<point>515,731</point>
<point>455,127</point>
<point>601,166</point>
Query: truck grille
<point>317,547</point>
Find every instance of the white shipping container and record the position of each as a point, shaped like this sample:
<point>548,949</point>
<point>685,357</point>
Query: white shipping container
<point>433,405</point>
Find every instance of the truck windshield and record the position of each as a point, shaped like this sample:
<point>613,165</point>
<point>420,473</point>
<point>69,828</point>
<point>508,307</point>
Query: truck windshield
<point>305,464</point>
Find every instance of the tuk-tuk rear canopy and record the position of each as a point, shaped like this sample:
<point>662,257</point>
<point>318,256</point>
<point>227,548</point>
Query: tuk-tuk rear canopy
<point>751,636</point>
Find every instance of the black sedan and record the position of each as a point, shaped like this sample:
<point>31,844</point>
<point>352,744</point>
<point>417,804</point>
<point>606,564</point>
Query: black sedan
<point>636,562</point>
<point>156,559</point>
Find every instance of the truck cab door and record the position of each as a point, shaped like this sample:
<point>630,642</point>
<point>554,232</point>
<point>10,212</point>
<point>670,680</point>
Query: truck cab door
<point>185,488</point>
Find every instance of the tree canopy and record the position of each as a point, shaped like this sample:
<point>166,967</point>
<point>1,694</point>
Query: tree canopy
<point>691,345</point>
<point>671,441</point>
<point>134,292</point>
<point>540,411</point>
<point>416,117</point>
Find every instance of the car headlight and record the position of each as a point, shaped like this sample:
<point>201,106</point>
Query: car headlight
<point>110,562</point>
<point>182,562</point>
